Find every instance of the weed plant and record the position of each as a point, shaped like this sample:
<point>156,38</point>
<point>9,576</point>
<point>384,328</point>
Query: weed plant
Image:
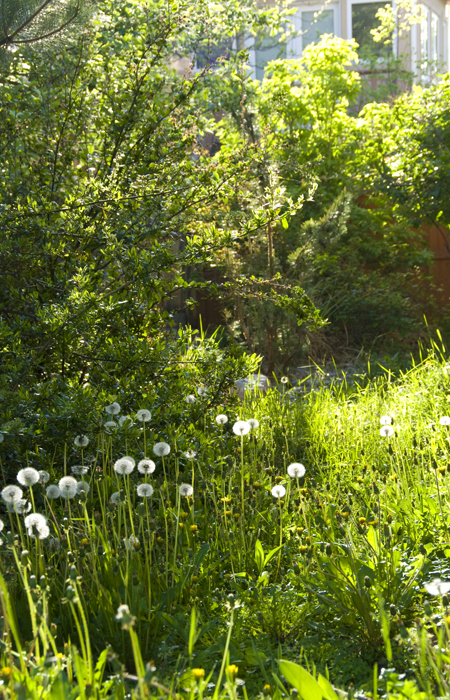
<point>198,561</point>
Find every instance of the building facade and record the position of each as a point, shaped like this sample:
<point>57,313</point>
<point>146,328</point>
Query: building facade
<point>424,46</point>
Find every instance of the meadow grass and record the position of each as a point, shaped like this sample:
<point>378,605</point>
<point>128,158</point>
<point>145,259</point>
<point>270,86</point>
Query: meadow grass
<point>207,569</point>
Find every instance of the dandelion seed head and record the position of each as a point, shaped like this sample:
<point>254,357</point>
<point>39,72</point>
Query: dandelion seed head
<point>124,465</point>
<point>161,449</point>
<point>284,380</point>
<point>186,490</point>
<point>113,409</point>
<point>437,587</point>
<point>126,422</point>
<point>190,398</point>
<point>385,420</point>
<point>10,494</point>
<point>110,426</point>
<point>144,490</point>
<point>43,532</point>
<point>190,454</point>
<point>122,611</point>
<point>253,423</point>
<point>2,525</point>
<point>296,470</point>
<point>44,476</point>
<point>79,469</point>
<point>68,486</point>
<point>82,487</point>
<point>202,391</point>
<point>81,441</point>
<point>386,431</point>
<point>132,543</point>
<point>278,491</point>
<point>28,476</point>
<point>116,497</point>
<point>21,506</point>
<point>221,419</point>
<point>241,427</point>
<point>35,520</point>
<point>53,491</point>
<point>146,466</point>
<point>143,415</point>
<point>444,420</point>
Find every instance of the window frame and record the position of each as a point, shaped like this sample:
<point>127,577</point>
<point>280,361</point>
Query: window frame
<point>350,3</point>
<point>295,45</point>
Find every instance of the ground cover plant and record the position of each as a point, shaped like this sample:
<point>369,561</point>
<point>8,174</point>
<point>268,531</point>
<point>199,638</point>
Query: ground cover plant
<point>301,528</point>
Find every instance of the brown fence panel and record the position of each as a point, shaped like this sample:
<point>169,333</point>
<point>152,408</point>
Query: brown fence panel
<point>439,242</point>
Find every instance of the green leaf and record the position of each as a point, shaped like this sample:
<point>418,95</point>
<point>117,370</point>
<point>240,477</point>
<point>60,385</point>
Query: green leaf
<point>284,223</point>
<point>259,556</point>
<point>307,686</point>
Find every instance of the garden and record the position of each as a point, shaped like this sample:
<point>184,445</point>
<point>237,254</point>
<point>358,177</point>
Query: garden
<point>256,505</point>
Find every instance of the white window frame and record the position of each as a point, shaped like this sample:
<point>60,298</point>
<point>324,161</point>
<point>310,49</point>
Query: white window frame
<point>294,48</point>
<point>434,37</point>
<point>349,21</point>
<point>425,22</point>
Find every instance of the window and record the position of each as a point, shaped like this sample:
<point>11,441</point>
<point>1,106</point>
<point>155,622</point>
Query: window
<point>424,48</point>
<point>363,20</point>
<point>445,30</point>
<point>267,49</point>
<point>434,38</point>
<point>209,54</point>
<point>315,24</point>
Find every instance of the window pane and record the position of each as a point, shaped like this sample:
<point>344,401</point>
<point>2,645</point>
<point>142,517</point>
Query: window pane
<point>424,33</point>
<point>363,20</point>
<point>209,54</point>
<point>314,24</point>
<point>434,37</point>
<point>267,49</point>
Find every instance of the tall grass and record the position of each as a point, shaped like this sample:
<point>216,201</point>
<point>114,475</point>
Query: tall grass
<point>220,584</point>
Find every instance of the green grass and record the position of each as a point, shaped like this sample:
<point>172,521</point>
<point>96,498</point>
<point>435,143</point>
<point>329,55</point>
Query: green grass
<point>331,575</point>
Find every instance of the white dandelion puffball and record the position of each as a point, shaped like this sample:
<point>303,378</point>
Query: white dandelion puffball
<point>115,497</point>
<point>144,490</point>
<point>53,491</point>
<point>35,520</point>
<point>21,506</point>
<point>83,487</point>
<point>44,476</point>
<point>10,494</point>
<point>124,465</point>
<point>444,420</point>
<point>2,525</point>
<point>68,486</point>
<point>278,491</point>
<point>113,409</point>
<point>190,454</point>
<point>126,422</point>
<point>296,470</point>
<point>122,611</point>
<point>190,398</point>
<point>143,415</point>
<point>221,419</point>
<point>386,431</point>
<point>186,490</point>
<point>437,587</point>
<point>253,423</point>
<point>146,466</point>
<point>241,427</point>
<point>28,476</point>
<point>284,380</point>
<point>161,449</point>
<point>110,426</point>
<point>385,420</point>
<point>81,441</point>
<point>79,469</point>
<point>43,532</point>
<point>202,391</point>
